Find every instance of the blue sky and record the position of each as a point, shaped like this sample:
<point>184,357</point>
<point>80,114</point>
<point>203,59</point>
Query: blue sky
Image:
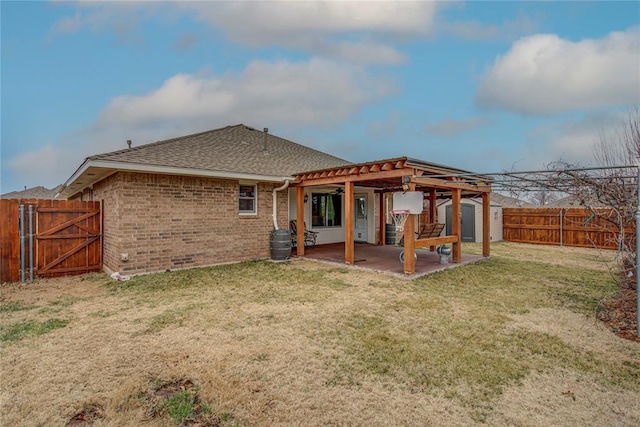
<point>483,86</point>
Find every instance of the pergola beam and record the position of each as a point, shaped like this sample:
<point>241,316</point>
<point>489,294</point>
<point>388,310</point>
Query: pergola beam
<point>448,184</point>
<point>303,181</point>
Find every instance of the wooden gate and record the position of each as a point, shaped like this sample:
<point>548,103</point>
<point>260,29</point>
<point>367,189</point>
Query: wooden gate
<point>62,237</point>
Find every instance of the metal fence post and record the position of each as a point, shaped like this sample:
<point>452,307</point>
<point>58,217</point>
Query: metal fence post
<point>21,226</point>
<point>31,243</point>
<point>638,257</point>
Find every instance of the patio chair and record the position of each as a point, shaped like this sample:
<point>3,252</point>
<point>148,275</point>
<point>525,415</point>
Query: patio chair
<point>309,236</point>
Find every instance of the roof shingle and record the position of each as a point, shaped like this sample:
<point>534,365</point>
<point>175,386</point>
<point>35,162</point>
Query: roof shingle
<point>39,192</point>
<point>238,148</point>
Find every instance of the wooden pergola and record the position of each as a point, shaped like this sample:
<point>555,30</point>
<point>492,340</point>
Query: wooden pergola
<point>401,174</point>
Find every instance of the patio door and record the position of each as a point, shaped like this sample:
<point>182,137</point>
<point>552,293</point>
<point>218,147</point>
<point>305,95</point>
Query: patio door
<point>360,220</point>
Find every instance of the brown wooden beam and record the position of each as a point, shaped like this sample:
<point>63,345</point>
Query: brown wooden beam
<point>396,173</point>
<point>409,245</point>
<point>410,241</point>
<point>433,211</point>
<point>349,242</point>
<point>456,228</point>
<point>383,220</point>
<point>435,241</point>
<point>486,224</point>
<point>444,184</point>
<point>300,221</point>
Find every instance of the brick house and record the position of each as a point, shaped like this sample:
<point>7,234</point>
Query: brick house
<point>196,200</point>
<point>214,197</point>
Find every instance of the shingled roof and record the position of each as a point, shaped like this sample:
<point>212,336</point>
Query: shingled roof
<point>238,148</point>
<point>230,151</point>
<point>39,192</point>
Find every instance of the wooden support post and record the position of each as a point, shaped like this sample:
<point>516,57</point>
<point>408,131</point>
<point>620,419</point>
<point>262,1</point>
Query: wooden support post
<point>300,220</point>
<point>486,224</point>
<point>410,241</point>
<point>433,212</point>
<point>383,219</point>
<point>349,243</point>
<point>410,245</point>
<point>456,228</point>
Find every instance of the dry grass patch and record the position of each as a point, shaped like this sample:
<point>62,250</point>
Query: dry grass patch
<point>296,343</point>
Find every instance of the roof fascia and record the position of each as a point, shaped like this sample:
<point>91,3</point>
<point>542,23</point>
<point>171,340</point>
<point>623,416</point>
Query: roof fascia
<point>170,170</point>
<point>137,167</point>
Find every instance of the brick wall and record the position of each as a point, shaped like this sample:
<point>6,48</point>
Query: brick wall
<point>171,222</point>
<point>106,191</point>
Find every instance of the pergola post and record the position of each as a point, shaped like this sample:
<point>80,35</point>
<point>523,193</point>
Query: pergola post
<point>433,212</point>
<point>486,225</point>
<point>456,227</point>
<point>410,245</point>
<point>410,241</point>
<point>300,220</point>
<point>349,243</point>
<point>383,219</point>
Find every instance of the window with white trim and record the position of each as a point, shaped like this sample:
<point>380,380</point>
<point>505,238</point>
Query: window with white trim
<point>247,200</point>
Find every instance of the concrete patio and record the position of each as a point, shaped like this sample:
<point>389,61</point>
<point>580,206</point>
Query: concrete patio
<point>384,259</point>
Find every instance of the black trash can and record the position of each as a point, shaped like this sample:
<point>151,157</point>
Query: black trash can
<point>390,234</point>
<point>280,245</point>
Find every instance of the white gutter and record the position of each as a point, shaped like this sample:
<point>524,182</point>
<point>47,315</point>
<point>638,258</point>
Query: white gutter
<point>275,203</point>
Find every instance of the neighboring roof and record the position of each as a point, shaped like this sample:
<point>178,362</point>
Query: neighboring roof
<point>234,151</point>
<point>509,202</point>
<point>39,192</point>
<point>476,200</point>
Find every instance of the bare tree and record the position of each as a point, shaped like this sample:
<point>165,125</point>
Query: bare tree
<point>608,191</point>
<point>544,196</point>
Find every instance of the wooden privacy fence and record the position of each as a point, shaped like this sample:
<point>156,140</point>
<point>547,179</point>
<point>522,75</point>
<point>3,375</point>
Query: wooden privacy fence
<point>49,238</point>
<point>562,226</point>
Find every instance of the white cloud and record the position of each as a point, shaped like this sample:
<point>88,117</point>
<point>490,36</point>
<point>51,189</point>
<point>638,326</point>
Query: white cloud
<point>45,166</point>
<point>357,32</point>
<point>313,93</point>
<point>571,141</point>
<point>454,127</point>
<point>545,74</point>
<point>339,30</point>
<point>274,22</point>
<point>120,17</point>
<point>362,52</point>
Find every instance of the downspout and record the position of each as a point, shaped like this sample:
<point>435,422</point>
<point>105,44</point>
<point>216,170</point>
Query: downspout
<point>275,203</point>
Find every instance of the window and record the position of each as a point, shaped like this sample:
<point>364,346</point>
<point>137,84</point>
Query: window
<point>326,210</point>
<point>247,199</point>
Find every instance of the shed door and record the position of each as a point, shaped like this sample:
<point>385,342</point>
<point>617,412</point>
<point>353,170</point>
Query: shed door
<point>468,222</point>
